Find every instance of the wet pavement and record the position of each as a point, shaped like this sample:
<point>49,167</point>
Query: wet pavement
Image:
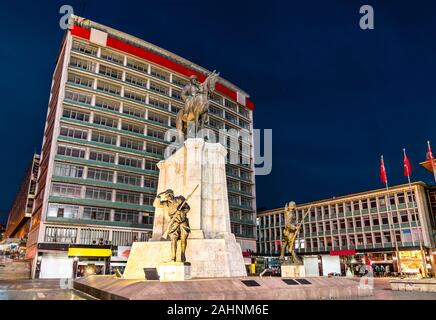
<point>62,290</point>
<point>39,290</point>
<point>382,291</point>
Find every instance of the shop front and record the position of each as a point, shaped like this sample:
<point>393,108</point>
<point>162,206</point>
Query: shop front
<point>120,255</point>
<point>90,259</point>
<point>412,263</point>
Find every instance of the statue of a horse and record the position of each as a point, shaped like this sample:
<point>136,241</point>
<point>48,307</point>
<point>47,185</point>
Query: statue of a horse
<point>196,106</point>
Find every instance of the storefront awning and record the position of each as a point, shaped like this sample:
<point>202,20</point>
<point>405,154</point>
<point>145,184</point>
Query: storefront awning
<point>343,253</point>
<point>89,252</point>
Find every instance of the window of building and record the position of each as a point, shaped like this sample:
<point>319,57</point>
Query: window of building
<point>84,48</point>
<point>73,132</point>
<point>356,206</point>
<point>147,199</point>
<point>366,221</point>
<point>155,117</point>
<point>68,170</point>
<point>359,239</point>
<point>150,182</point>
<point>159,88</point>
<point>130,179</point>
<point>150,165</point>
<point>368,238</point>
<point>132,127</point>
<point>109,88</point>
<point>404,216</point>
<point>387,237</point>
<point>131,144</point>
<point>176,94</point>
<point>101,156</point>
<point>231,105</point>
<point>75,114</point>
<point>107,104</point>
<point>135,96</point>
<point>112,56</point>
<point>179,81</point>
<point>138,66</point>
<point>80,80</point>
<point>60,235</point>
<point>133,111</point>
<point>159,73</point>
<point>100,174</point>
<point>128,197</point>
<point>78,97</point>
<point>358,222</point>
<point>136,81</point>
<point>110,72</point>
<point>94,236</point>
<point>401,198</point>
<point>62,211</point>
<point>70,151</point>
<point>377,237</point>
<point>82,64</point>
<point>155,149</point>
<point>152,132</point>
<point>105,121</point>
<point>129,161</point>
<point>102,137</point>
<point>65,190</point>
<point>98,194</point>
<point>93,213</point>
<point>160,104</point>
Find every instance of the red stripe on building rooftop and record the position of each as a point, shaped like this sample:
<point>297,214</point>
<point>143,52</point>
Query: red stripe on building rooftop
<point>155,58</point>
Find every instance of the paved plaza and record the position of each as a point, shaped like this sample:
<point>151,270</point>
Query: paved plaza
<point>39,290</point>
<point>56,290</point>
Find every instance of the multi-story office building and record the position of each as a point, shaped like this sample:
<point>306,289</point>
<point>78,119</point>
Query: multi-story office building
<point>21,210</point>
<point>113,98</point>
<point>390,229</point>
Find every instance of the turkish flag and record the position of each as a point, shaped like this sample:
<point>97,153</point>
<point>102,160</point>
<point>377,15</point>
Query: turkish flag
<point>429,153</point>
<point>383,176</point>
<point>407,166</point>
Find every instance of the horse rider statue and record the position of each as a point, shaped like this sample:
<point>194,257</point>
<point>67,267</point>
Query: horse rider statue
<point>195,95</point>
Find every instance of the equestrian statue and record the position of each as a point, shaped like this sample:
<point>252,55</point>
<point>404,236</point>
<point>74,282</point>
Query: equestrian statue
<point>195,95</point>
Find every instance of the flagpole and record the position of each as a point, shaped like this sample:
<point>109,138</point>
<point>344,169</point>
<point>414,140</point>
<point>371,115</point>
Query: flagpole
<point>432,160</point>
<point>418,224</point>
<point>390,215</point>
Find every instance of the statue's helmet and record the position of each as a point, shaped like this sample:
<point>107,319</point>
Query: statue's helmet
<point>166,194</point>
<point>193,78</point>
<point>292,205</point>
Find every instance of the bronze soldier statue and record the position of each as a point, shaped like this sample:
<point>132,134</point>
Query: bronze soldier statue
<point>178,227</point>
<point>290,232</point>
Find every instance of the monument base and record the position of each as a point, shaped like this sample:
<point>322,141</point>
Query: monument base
<point>242,289</point>
<point>174,271</point>
<point>293,271</point>
<point>209,258</point>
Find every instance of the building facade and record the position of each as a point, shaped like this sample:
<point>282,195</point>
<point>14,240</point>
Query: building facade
<point>388,229</point>
<point>20,212</point>
<point>113,99</point>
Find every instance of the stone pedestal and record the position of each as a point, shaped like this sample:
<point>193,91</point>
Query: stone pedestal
<point>174,271</point>
<point>212,249</point>
<point>293,271</point>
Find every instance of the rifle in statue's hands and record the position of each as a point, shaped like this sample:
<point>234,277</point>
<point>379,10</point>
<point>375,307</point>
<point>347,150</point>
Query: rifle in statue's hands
<point>302,221</point>
<point>180,207</point>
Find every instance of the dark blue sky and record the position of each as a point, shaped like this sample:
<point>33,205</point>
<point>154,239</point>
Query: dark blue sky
<point>335,96</point>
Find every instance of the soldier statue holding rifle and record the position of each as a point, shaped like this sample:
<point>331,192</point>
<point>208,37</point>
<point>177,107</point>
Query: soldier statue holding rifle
<point>290,232</point>
<point>178,227</point>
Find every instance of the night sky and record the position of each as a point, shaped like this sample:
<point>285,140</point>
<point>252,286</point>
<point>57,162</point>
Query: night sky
<point>335,96</point>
